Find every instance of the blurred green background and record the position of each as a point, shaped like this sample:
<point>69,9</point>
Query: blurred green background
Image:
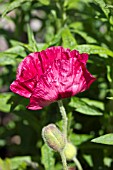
<point>33,25</point>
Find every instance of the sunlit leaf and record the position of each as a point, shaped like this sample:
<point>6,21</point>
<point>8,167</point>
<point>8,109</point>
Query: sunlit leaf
<point>111,98</point>
<point>47,158</point>
<point>4,105</point>
<point>94,49</point>
<point>5,164</point>
<point>17,50</point>
<point>25,46</point>
<point>45,2</point>
<point>105,139</point>
<point>102,4</point>
<point>109,73</point>
<point>85,36</point>
<point>31,39</point>
<point>108,161</point>
<point>68,39</point>
<point>88,159</point>
<point>84,107</point>
<point>78,139</point>
<point>17,161</point>
<point>7,59</point>
<point>9,56</point>
<point>13,5</point>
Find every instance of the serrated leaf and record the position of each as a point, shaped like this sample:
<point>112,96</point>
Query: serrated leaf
<point>83,107</point>
<point>13,5</point>
<point>4,105</point>
<point>94,49</point>
<point>47,158</point>
<point>68,39</point>
<point>105,139</point>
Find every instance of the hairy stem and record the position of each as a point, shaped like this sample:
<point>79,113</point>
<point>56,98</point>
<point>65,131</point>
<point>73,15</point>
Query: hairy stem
<point>77,163</point>
<point>64,129</point>
<point>64,118</point>
<point>64,162</point>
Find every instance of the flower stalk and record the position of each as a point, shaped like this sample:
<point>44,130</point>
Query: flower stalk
<point>64,162</point>
<point>64,118</point>
<point>64,131</point>
<point>77,163</point>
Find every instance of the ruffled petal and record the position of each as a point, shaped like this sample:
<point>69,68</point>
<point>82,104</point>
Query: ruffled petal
<point>32,67</point>
<point>51,75</point>
<point>23,88</point>
<point>64,78</point>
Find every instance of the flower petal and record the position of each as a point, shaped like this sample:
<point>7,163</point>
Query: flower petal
<point>64,78</point>
<point>32,67</point>
<point>23,88</point>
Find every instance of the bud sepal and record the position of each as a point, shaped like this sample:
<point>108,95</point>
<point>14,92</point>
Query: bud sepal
<point>53,137</point>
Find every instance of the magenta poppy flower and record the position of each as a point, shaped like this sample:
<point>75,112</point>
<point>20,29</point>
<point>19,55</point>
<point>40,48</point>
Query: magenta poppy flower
<point>51,75</point>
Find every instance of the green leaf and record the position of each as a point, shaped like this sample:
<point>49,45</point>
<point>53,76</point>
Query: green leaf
<point>110,98</point>
<point>88,159</point>
<point>18,161</point>
<point>31,39</point>
<point>7,59</point>
<point>13,5</point>
<point>17,50</point>
<point>84,107</point>
<point>4,106</point>
<point>94,49</point>
<point>78,139</point>
<point>9,56</point>
<point>45,2</point>
<point>5,164</point>
<point>109,73</point>
<point>102,4</point>
<point>68,39</point>
<point>85,36</point>
<point>105,139</point>
<point>25,46</point>
<point>47,158</point>
<point>95,103</point>
<point>71,3</point>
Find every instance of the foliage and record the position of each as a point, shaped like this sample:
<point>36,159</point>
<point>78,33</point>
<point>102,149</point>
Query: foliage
<point>33,25</point>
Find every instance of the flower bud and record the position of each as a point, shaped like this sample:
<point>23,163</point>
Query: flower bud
<point>70,151</point>
<point>53,137</point>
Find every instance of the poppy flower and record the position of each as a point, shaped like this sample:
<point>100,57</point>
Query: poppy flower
<point>50,75</point>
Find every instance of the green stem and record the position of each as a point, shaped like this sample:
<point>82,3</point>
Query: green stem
<point>64,117</point>
<point>63,160</point>
<point>77,163</point>
<point>64,128</point>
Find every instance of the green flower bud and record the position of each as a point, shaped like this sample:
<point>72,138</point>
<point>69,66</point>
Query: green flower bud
<point>53,137</point>
<point>70,151</point>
